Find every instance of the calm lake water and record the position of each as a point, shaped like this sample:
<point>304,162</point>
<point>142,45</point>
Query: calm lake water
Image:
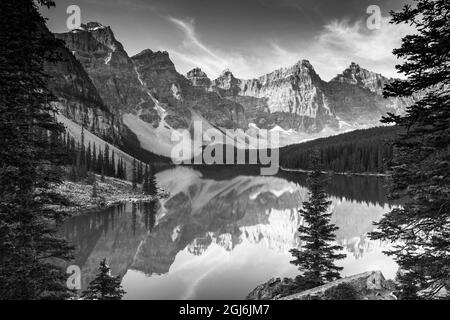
<point>222,232</point>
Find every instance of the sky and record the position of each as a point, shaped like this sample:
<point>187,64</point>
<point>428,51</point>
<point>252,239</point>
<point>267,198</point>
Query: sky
<point>249,37</point>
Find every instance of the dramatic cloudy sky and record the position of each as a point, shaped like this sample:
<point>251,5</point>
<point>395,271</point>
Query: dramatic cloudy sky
<point>250,37</point>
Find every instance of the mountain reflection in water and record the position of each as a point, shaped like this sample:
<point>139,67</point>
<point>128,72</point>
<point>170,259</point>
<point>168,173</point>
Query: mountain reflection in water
<point>221,233</point>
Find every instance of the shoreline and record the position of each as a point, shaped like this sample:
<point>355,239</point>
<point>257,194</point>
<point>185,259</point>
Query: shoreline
<point>91,208</point>
<point>368,285</point>
<point>338,173</point>
<point>110,193</point>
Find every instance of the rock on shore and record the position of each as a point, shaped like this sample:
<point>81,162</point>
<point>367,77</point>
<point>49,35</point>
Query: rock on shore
<point>369,285</point>
<point>110,192</point>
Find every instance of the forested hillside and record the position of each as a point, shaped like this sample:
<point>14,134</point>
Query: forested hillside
<point>360,151</point>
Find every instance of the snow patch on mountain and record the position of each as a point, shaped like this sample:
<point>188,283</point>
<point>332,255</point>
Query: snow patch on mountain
<point>108,58</point>
<point>139,76</point>
<point>157,140</point>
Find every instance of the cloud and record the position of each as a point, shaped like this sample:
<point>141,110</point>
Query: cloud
<point>301,5</point>
<point>254,62</point>
<point>341,41</point>
<point>193,51</point>
<point>356,42</point>
<point>189,30</point>
<point>134,5</point>
<point>330,50</point>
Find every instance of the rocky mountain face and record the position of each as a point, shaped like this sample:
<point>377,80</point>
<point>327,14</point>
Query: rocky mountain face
<point>180,96</point>
<point>79,99</point>
<point>198,78</point>
<point>292,98</point>
<point>297,98</point>
<point>160,80</point>
<point>133,84</point>
<point>145,92</point>
<point>357,97</point>
<point>107,64</point>
<point>355,75</point>
<point>148,98</point>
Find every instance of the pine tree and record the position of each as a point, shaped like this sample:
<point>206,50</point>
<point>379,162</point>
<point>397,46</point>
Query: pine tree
<point>82,148</point>
<point>89,157</point>
<point>113,165</point>
<point>421,163</point>
<point>145,184</point>
<point>77,162</point>
<point>30,163</point>
<point>106,164</point>
<point>151,184</point>
<point>124,170</point>
<point>140,172</point>
<point>101,164</point>
<point>65,139</point>
<point>100,161</point>
<point>94,186</point>
<point>358,151</point>
<point>149,210</point>
<point>73,175</point>
<point>119,169</point>
<point>94,159</point>
<point>134,177</point>
<point>316,257</point>
<point>81,161</point>
<point>104,286</point>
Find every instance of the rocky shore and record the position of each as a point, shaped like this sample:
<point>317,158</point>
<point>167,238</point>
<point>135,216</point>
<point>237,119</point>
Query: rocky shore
<point>369,285</point>
<point>339,173</point>
<point>110,192</point>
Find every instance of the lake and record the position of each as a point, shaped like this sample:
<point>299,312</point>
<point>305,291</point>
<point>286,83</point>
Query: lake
<point>223,231</point>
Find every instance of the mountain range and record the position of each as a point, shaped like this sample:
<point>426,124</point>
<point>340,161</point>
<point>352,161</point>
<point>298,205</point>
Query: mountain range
<point>137,102</point>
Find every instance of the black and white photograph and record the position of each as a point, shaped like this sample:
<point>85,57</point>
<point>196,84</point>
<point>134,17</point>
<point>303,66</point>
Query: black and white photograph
<point>228,156</point>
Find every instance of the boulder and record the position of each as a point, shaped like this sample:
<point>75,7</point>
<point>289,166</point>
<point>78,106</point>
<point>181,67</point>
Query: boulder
<point>369,285</point>
<point>273,289</point>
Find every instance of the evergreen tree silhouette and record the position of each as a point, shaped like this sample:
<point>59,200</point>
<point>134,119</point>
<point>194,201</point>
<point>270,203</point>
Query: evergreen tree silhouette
<point>421,163</point>
<point>134,175</point>
<point>30,160</point>
<point>152,188</point>
<point>94,186</point>
<point>145,183</point>
<point>104,286</point>
<point>317,255</point>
